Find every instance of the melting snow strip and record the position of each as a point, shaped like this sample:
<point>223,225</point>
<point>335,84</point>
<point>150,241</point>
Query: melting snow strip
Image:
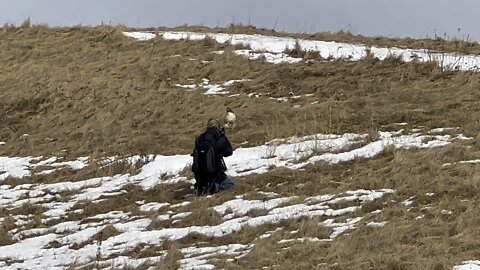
<point>245,161</point>
<point>376,224</point>
<point>212,89</point>
<point>475,161</point>
<point>18,167</point>
<point>153,206</point>
<point>274,58</point>
<point>197,257</point>
<point>468,265</point>
<point>303,239</point>
<point>327,49</point>
<point>35,250</point>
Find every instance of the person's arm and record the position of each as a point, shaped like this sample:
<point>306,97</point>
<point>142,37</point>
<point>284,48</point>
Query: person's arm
<point>223,147</point>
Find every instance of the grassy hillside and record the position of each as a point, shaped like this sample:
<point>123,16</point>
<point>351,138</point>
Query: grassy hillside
<point>85,90</point>
<point>91,91</point>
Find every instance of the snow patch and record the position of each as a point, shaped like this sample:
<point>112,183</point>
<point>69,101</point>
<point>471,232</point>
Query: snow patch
<point>326,49</point>
<point>474,161</point>
<point>211,89</point>
<point>198,257</point>
<point>274,58</point>
<point>19,167</point>
<point>142,36</point>
<point>152,206</point>
<point>468,265</point>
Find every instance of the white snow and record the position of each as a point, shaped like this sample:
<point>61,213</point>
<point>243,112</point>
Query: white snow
<point>142,36</point>
<point>181,215</point>
<point>211,89</point>
<point>153,206</point>
<point>78,164</point>
<point>180,205</point>
<point>240,207</point>
<point>408,202</point>
<point>274,58</point>
<point>374,148</point>
<point>14,167</point>
<point>32,248</point>
<point>19,167</point>
<point>197,257</point>
<point>34,252</point>
<point>133,225</point>
<point>376,224</point>
<point>341,227</point>
<point>468,265</point>
<point>187,86</point>
<point>446,212</point>
<point>269,233</point>
<point>474,161</point>
<point>291,96</point>
<point>327,49</point>
<point>245,161</point>
<point>443,130</point>
<point>303,239</point>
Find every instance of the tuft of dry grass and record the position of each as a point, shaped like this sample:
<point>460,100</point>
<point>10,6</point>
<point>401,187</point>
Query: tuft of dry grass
<point>201,216</point>
<point>171,260</point>
<point>103,235</point>
<point>27,23</point>
<point>8,223</point>
<point>106,233</point>
<point>296,51</point>
<point>312,228</point>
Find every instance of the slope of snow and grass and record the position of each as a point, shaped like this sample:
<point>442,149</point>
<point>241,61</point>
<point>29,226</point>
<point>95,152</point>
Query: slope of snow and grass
<point>272,49</point>
<point>68,241</point>
<point>364,192</point>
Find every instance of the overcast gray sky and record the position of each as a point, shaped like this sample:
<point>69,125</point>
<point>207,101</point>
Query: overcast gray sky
<point>400,18</point>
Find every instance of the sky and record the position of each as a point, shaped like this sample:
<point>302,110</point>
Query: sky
<point>401,18</point>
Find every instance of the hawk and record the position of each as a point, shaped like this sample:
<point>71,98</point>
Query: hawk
<point>230,119</point>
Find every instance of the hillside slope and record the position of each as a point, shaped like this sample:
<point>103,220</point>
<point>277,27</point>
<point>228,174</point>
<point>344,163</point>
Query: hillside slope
<point>338,164</point>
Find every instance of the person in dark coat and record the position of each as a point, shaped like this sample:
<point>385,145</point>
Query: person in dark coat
<point>222,148</point>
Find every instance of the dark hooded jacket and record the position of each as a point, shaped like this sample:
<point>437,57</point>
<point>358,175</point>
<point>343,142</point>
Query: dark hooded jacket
<point>222,146</point>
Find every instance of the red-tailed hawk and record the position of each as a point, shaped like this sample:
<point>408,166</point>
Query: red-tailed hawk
<point>230,119</point>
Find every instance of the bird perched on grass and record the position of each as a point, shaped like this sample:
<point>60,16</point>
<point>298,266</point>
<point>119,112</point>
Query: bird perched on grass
<point>230,119</point>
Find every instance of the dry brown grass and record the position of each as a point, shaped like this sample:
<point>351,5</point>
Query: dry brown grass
<point>104,234</point>
<point>24,209</point>
<point>170,262</point>
<point>201,216</point>
<point>115,95</point>
<point>126,201</point>
<point>311,227</point>
<point>7,224</point>
<point>93,92</point>
<point>405,242</point>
